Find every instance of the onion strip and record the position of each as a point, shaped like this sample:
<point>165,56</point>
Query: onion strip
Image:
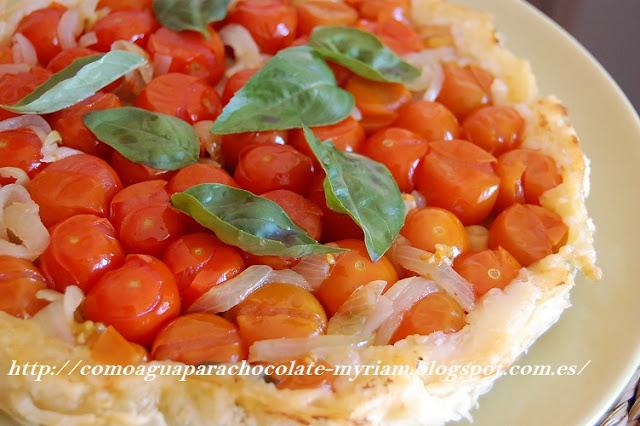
<point>274,350</point>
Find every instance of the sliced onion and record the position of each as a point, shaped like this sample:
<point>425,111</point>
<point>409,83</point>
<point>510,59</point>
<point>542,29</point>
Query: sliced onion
<point>161,64</point>
<point>421,202</point>
<point>354,313</point>
<point>69,28</point>
<point>429,62</point>
<point>23,50</point>
<point>137,79</point>
<point>88,39</point>
<point>287,276</point>
<point>274,350</point>
<point>212,142</point>
<point>478,237</point>
<point>19,175</point>
<point>19,217</point>
<point>315,269</point>
<point>245,49</point>
<point>34,122</point>
<point>356,114</point>
<point>52,152</point>
<point>57,318</point>
<point>13,68</point>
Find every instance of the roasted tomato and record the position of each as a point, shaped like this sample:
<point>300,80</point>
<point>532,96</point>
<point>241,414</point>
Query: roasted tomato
<point>111,348</point>
<point>21,148</point>
<point>130,25</point>
<point>496,129</point>
<point>131,172</point>
<point>430,120</point>
<point>14,87</point>
<point>429,226</point>
<point>67,56</point>
<point>19,283</point>
<point>125,4</point>
<point>197,174</point>
<point>487,269</point>
<point>315,13</point>
<point>465,89</point>
<point>346,135</point>
<point>41,28</point>
<point>232,145</point>
<point>302,212</point>
<point>272,23</point>
<point>236,82</point>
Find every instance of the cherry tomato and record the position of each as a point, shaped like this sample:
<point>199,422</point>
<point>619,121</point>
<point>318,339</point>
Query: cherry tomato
<point>460,177</point>
<point>150,229</point>
<point>191,52</point>
<point>429,226</point>
<point>380,9</point>
<point>378,102</point>
<point>528,232</point>
<point>130,25</point>
<point>496,129</point>
<point>279,310</point>
<point>19,283</point>
<point>137,299</point>
<point>341,74</point>
<point>112,349</point>
<point>236,82</point>
<point>233,144</point>
<point>125,4</point>
<point>80,184</point>
<point>81,250</point>
<point>487,269</point>
<point>74,133</point>
<point>264,168</point>
<point>20,148</point>
<point>135,197</point>
<point>272,23</point>
<point>198,338</point>
<point>524,176</point>
<point>436,312</point>
<point>464,90</point>
<point>302,212</point>
<point>14,87</point>
<point>198,173</point>
<point>400,150</point>
<point>430,120</point>
<point>66,58</point>
<point>315,13</point>
<point>182,95</point>
<point>41,28</point>
<point>346,135</point>
<point>200,261</point>
<point>304,381</point>
<point>132,173</point>
<point>352,270</point>
<point>398,36</point>
<point>335,226</point>
<point>6,55</point>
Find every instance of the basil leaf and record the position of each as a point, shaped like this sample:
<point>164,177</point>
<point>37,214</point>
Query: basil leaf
<point>362,53</point>
<point>365,190</point>
<point>193,15</point>
<point>255,224</point>
<point>160,141</point>
<point>84,77</point>
<point>295,86</point>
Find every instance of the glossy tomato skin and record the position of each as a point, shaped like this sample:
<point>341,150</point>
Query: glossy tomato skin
<point>135,197</point>
<point>264,168</point>
<point>316,13</point>
<point>236,82</point>
<point>130,25</point>
<point>197,174</point>
<point>198,338</point>
<point>81,250</point>
<point>352,270</point>
<point>132,173</point>
<point>41,28</point>
<point>376,10</point>
<point>465,89</point>
<point>20,280</point>
<point>69,123</point>
<point>111,348</point>
<point>233,145</point>
<point>429,226</point>
<point>487,269</point>
<point>14,87</point>
<point>200,261</point>
<point>137,299</point>
<point>272,23</point>
<point>191,52</point>
<point>21,148</point>
<point>397,35</point>
<point>496,129</point>
<point>460,177</point>
<point>125,4</point>
<point>304,213</point>
<point>67,56</point>
<point>430,120</point>
<point>184,96</point>
<point>400,150</point>
<point>80,184</point>
<point>346,135</point>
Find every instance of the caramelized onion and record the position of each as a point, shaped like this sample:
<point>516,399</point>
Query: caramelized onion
<point>357,310</point>
<point>19,175</point>
<point>245,49</point>
<point>57,318</point>
<point>69,28</point>
<point>161,64</point>
<point>88,39</point>
<point>274,350</point>
<point>23,50</point>
<point>315,269</point>
<point>22,233</point>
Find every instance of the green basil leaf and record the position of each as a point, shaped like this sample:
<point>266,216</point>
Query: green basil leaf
<point>84,77</point>
<point>193,15</point>
<point>255,224</point>
<point>362,53</point>
<point>365,190</point>
<point>295,87</point>
<point>160,141</point>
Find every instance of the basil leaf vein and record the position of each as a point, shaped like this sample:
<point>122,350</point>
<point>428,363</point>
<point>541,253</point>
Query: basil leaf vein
<point>195,15</point>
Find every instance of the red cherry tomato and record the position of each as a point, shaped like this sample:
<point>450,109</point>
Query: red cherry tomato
<point>460,177</point>
<point>130,25</point>
<point>191,52</point>
<point>198,338</point>
<point>135,197</point>
<point>431,120</point>
<point>341,74</point>
<point>74,133</point>
<point>528,232</point>
<point>315,13</point>
<point>125,4</point>
<point>264,168</point>
<point>200,261</point>
<point>181,95</point>
<point>196,174</point>
<point>132,173</point>
<point>380,9</point>
<point>80,184</point>
<point>465,90</point>
<point>272,23</point>
<point>81,250</point>
<point>429,226</point>
<point>66,57</point>
<point>41,28</point>
<point>496,129</point>
<point>20,148</point>
<point>335,226</point>
<point>346,135</point>
<point>302,212</point>
<point>19,283</point>
<point>487,269</point>
<point>236,82</point>
<point>233,144</point>
<point>6,55</point>
<point>398,36</point>
<point>137,299</point>
<point>14,87</point>
<point>400,150</point>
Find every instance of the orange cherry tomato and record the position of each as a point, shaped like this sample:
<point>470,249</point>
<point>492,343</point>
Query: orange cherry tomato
<point>198,338</point>
<point>272,23</point>
<point>335,226</point>
<point>496,129</point>
<point>14,87</point>
<point>80,184</point>
<point>381,9</point>
<point>460,177</point>
<point>191,52</point>
<point>6,55</point>
<point>66,57</point>
<point>398,36</point>
<point>429,226</point>
<point>137,299</point>
<point>346,135</point>
<point>41,28</point>
<point>306,381</point>
<point>436,312</point>
<point>233,144</point>
<point>352,270</point>
<point>302,212</point>
<point>264,168</point>
<point>182,95</point>
<point>400,150</point>
<point>431,120</point>
<point>314,13</point>
<point>465,89</point>
<point>19,283</point>
<point>21,148</point>
<point>341,74</point>
<point>236,82</point>
<point>528,232</point>
<point>200,261</point>
<point>132,173</point>
<point>112,349</point>
<point>487,269</point>
<point>130,25</point>
<point>279,310</point>
<point>135,197</point>
<point>524,176</point>
<point>74,133</point>
<point>81,250</point>
<point>125,4</point>
<point>199,173</point>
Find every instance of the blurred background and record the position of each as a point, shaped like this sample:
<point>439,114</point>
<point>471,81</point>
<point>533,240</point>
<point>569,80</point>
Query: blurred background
<point>610,30</point>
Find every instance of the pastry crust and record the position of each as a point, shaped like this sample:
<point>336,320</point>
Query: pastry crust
<point>501,328</point>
